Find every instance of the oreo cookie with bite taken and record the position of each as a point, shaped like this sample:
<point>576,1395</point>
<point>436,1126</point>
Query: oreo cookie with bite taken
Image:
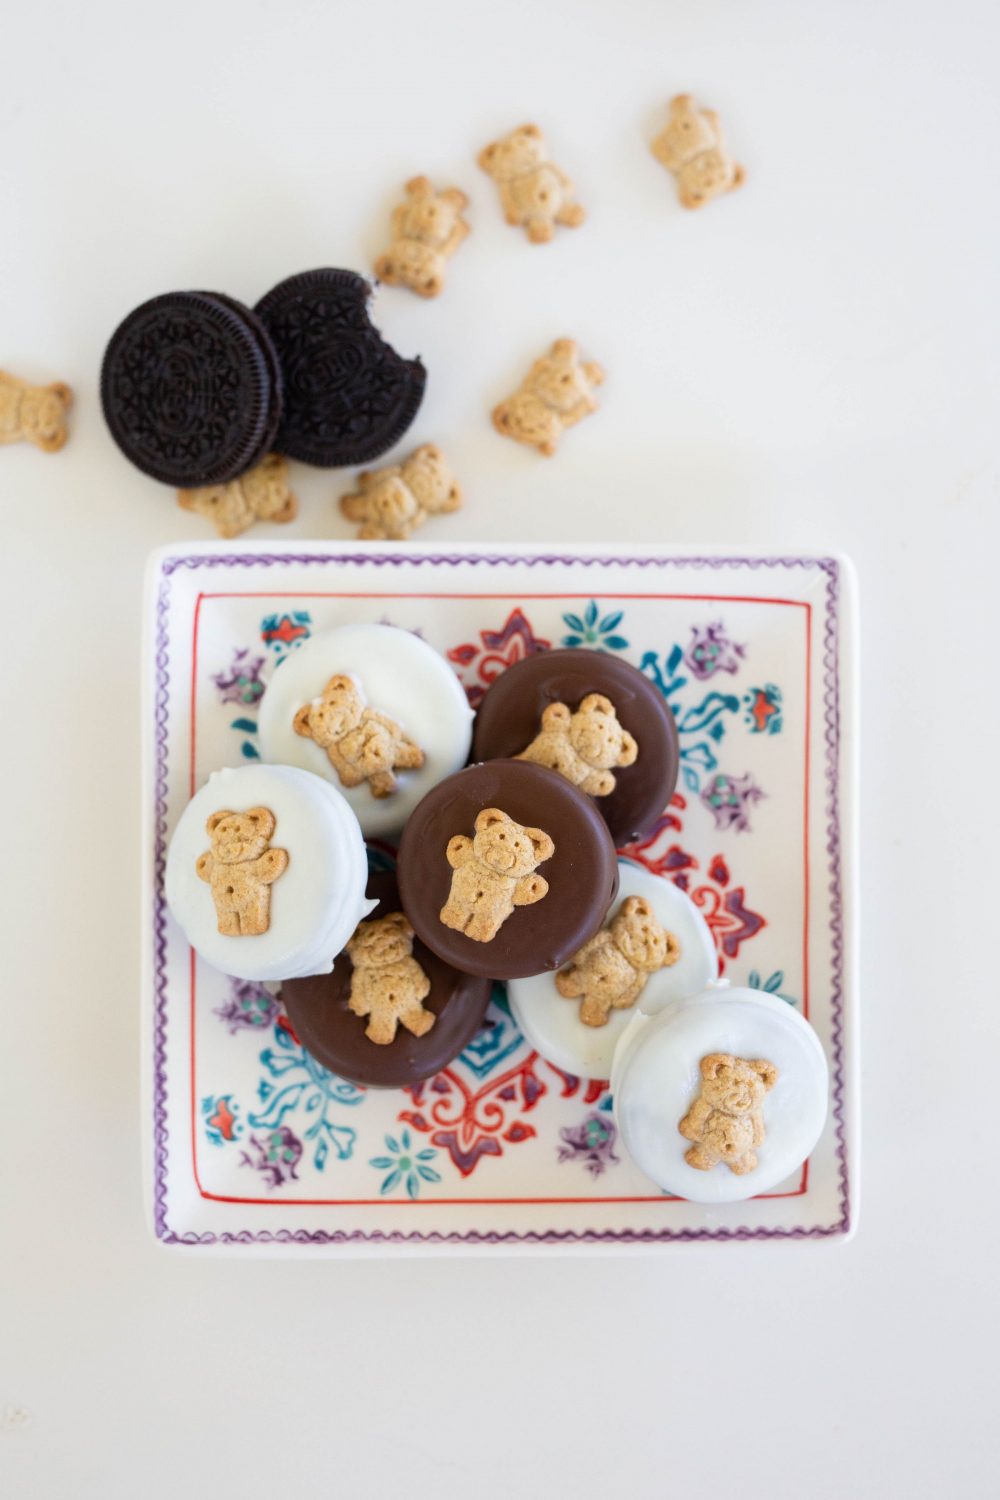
<point>348,395</point>
<point>191,388</point>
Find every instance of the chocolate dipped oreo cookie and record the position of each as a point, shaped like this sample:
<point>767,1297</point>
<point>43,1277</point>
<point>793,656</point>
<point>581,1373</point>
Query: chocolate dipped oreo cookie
<point>596,721</point>
<point>349,395</point>
<point>506,869</point>
<point>392,1012</point>
<point>191,389</point>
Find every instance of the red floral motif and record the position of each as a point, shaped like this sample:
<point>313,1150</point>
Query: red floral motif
<point>471,1123</point>
<point>730,921</point>
<point>480,663</point>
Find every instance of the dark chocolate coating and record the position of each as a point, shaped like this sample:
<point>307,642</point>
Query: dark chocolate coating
<point>191,389</point>
<point>510,716</point>
<point>348,395</point>
<point>582,874</point>
<point>318,1010</point>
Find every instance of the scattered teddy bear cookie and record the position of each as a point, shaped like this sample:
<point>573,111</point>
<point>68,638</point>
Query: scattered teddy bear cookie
<point>556,393</point>
<point>261,494</point>
<point>34,413</point>
<point>583,746</point>
<point>726,1121</point>
<point>610,971</point>
<point>241,867</point>
<point>426,231</point>
<point>691,146</point>
<point>391,503</point>
<point>533,191</point>
<point>493,873</point>
<point>387,983</point>
<point>361,744</point>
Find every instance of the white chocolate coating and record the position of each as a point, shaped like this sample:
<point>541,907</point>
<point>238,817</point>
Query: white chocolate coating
<point>656,1079</point>
<point>315,905</point>
<point>399,675</point>
<point>552,1023</point>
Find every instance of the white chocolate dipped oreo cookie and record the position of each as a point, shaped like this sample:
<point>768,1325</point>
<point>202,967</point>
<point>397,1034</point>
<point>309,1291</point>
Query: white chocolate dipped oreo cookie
<point>654,948</point>
<point>375,711</point>
<point>266,873</point>
<point>720,1097</point>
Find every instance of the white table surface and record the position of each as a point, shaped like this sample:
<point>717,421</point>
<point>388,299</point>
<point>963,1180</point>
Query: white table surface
<point>811,362</point>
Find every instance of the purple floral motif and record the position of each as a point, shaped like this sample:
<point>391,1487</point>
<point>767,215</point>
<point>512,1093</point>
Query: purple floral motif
<point>249,1007</point>
<point>729,800</point>
<point>480,662</point>
<point>241,681</point>
<point>710,650</point>
<point>275,1155</point>
<point>591,1142</point>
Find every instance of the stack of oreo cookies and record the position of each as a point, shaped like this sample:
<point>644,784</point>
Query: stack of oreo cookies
<point>197,388</point>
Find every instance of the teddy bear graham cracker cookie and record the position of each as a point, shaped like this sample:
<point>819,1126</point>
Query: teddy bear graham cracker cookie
<point>34,413</point>
<point>494,872</point>
<point>361,743</point>
<point>534,193</point>
<point>691,146</point>
<point>392,502</point>
<point>261,494</point>
<point>427,229</point>
<point>610,972</point>
<point>556,393</point>
<point>726,1121</point>
<point>583,746</point>
<point>241,867</point>
<point>387,983</point>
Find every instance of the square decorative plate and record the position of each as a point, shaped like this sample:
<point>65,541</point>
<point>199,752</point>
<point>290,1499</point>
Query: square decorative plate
<point>252,1146</point>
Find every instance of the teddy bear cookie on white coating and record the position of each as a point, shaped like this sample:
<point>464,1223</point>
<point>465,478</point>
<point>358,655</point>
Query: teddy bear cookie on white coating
<point>261,494</point>
<point>34,413</point>
<point>654,947</point>
<point>374,710</point>
<point>691,147</point>
<point>392,502</point>
<point>281,888</point>
<point>556,393</point>
<point>427,229</point>
<point>720,1096</point>
<point>534,193</point>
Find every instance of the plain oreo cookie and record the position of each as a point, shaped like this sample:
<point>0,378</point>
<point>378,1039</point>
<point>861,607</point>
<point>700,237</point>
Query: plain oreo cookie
<point>348,395</point>
<point>191,389</point>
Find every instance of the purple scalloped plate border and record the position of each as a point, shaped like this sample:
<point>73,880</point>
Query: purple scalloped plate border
<point>831,567</point>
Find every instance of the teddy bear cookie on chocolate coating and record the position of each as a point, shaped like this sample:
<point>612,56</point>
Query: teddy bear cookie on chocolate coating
<point>261,494</point>
<point>533,191</point>
<point>387,983</point>
<point>494,872</point>
<point>556,393</point>
<point>361,744</point>
<point>241,867</point>
<point>691,146</point>
<point>426,231</point>
<point>34,413</point>
<point>392,502</point>
<point>726,1121</point>
<point>610,971</point>
<point>583,746</point>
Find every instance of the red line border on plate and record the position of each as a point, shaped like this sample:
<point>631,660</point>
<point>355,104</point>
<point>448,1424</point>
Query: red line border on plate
<point>803,604</point>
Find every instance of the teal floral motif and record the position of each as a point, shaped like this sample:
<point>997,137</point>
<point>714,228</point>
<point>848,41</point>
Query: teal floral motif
<point>770,986</point>
<point>700,726</point>
<point>301,1087</point>
<point>404,1165</point>
<point>594,631</point>
<point>497,1039</point>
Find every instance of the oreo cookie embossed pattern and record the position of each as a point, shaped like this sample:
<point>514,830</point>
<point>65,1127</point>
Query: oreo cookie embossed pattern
<point>191,388</point>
